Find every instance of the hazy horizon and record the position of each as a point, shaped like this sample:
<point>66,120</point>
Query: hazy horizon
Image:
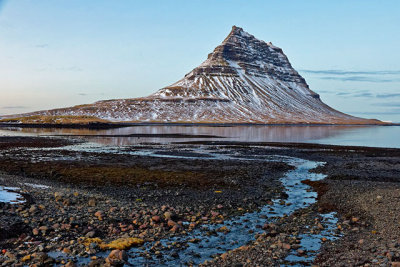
<point>73,52</point>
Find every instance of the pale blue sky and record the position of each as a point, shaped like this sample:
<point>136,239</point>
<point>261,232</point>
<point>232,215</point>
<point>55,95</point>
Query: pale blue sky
<point>68,52</point>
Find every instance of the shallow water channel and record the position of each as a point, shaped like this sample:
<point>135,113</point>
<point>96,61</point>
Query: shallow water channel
<point>243,229</point>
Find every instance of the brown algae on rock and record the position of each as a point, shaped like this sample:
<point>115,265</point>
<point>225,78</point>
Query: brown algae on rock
<point>120,243</point>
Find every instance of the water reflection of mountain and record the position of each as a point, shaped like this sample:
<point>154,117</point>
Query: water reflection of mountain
<point>235,133</point>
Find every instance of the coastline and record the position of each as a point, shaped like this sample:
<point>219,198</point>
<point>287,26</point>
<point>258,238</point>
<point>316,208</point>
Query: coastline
<point>111,125</point>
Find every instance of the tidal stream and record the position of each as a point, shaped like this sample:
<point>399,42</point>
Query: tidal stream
<point>243,229</point>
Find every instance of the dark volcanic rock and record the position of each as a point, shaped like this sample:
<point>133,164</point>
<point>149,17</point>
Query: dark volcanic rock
<point>11,226</point>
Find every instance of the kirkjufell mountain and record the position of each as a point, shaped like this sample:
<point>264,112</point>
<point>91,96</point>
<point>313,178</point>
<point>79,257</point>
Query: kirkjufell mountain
<point>244,80</point>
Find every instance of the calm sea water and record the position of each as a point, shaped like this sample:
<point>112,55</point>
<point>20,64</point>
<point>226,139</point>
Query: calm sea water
<point>374,136</point>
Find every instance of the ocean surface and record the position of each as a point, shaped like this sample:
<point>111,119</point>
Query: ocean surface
<point>372,136</point>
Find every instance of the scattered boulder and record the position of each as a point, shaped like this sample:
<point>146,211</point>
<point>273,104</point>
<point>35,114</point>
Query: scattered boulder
<point>117,257</point>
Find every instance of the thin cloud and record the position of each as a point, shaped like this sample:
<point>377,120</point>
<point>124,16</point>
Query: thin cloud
<point>387,95</point>
<point>388,112</point>
<point>359,93</point>
<point>15,107</point>
<point>345,72</point>
<point>388,104</point>
<point>349,93</point>
<point>374,76</point>
<point>90,94</point>
<point>343,93</point>
<point>363,95</point>
<point>359,79</point>
<point>41,45</point>
<point>325,92</point>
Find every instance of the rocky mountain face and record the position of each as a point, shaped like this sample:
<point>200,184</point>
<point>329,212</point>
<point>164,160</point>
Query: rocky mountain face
<point>244,80</point>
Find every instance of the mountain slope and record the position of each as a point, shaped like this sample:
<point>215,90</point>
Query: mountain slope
<point>244,80</point>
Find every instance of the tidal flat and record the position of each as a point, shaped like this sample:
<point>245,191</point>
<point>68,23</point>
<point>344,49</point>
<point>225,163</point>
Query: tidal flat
<point>213,203</point>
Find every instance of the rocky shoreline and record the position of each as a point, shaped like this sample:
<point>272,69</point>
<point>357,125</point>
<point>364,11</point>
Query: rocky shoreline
<point>66,212</point>
<point>91,209</point>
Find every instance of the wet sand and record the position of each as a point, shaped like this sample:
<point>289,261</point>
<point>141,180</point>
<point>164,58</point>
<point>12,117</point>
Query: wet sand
<point>111,195</point>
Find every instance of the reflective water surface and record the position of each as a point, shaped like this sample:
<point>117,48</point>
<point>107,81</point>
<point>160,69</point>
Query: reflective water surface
<point>239,228</point>
<point>10,195</point>
<point>374,136</point>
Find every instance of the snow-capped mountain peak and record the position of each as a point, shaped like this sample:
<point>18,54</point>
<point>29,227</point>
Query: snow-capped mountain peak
<point>244,80</point>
